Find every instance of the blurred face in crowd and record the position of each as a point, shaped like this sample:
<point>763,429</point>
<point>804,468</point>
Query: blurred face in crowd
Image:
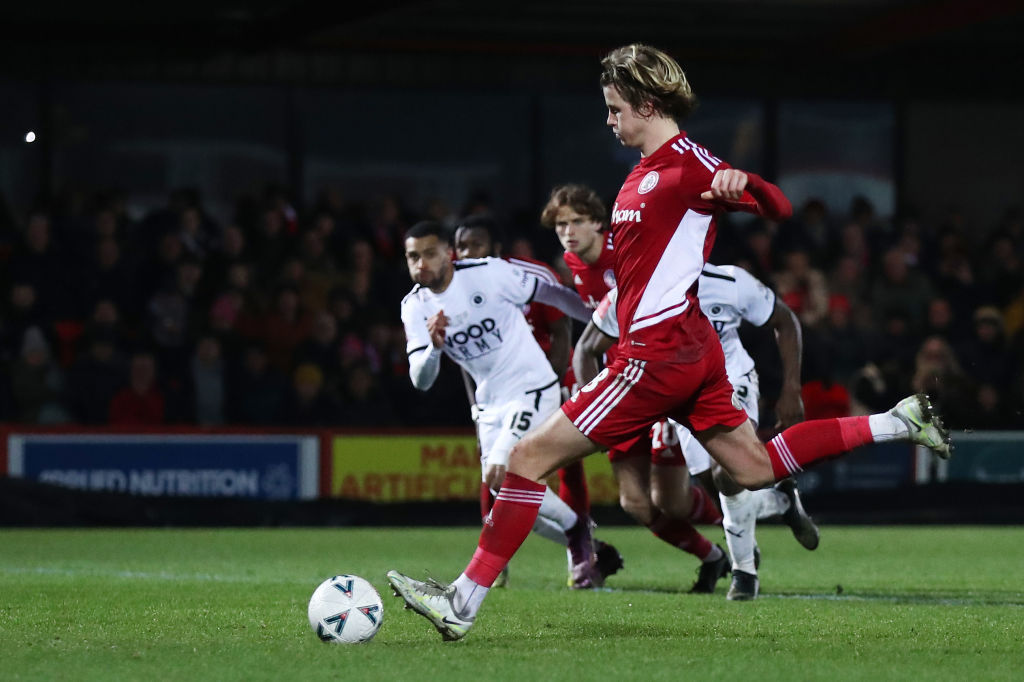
<point>238,276</point>
<point>361,256</point>
<point>430,262</point>
<point>325,328</point>
<point>106,223</point>
<point>579,234</point>
<point>895,267</point>
<point>37,235</point>
<point>108,253</point>
<point>473,242</point>
<point>233,242</point>
<point>143,372</point>
<point>940,314</point>
<point>191,221</point>
<point>208,350</point>
<point>23,296</point>
<point>105,313</point>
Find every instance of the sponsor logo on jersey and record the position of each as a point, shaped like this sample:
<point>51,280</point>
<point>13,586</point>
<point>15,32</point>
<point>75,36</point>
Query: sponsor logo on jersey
<point>625,215</point>
<point>649,182</point>
<point>478,299</point>
<point>476,339</point>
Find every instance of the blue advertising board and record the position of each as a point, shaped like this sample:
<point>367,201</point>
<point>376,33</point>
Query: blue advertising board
<point>249,466</point>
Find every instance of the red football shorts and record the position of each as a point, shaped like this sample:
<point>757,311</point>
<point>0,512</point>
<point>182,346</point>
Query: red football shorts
<point>628,396</point>
<point>660,444</point>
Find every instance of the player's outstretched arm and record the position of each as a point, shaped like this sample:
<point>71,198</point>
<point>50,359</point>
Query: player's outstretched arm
<point>743,191</point>
<point>590,348</point>
<point>790,407</point>
<point>563,298</point>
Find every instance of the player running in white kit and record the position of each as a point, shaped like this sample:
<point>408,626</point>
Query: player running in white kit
<point>729,295</point>
<point>471,310</point>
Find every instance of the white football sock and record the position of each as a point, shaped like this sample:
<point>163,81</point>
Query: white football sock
<point>770,502</point>
<point>547,528</point>
<point>886,426</point>
<point>468,596</point>
<point>739,518</point>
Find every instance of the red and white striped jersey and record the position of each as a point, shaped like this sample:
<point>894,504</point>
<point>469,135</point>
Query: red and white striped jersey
<point>662,232</point>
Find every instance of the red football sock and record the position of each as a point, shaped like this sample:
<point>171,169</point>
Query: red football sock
<point>704,508</point>
<point>809,442</point>
<point>682,535</point>
<point>486,500</point>
<point>512,518</point>
<point>572,488</point>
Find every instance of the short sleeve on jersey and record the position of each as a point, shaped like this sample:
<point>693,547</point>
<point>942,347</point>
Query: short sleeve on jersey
<point>512,283</point>
<point>756,302</point>
<point>415,322</point>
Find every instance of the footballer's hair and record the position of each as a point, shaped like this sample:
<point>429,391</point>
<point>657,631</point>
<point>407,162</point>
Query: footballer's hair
<point>579,198</point>
<point>486,222</point>
<point>426,228</point>
<point>649,80</point>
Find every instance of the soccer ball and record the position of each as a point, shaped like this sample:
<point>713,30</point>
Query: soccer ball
<point>345,609</point>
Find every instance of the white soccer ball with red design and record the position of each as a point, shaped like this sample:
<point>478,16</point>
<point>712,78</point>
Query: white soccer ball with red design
<point>345,609</point>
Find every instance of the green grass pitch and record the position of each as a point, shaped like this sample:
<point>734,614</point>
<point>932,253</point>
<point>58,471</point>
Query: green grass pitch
<point>872,603</point>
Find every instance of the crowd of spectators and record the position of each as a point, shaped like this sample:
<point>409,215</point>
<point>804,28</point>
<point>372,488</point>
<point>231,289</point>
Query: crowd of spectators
<point>290,319</point>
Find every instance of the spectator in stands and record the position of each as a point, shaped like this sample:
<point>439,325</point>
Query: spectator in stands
<point>37,383</point>
<point>284,328</point>
<point>22,311</point>
<point>36,261</point>
<point>849,280</point>
<point>1003,275</point>
<point>310,404</point>
<point>803,288</point>
<point>141,402</point>
<point>985,355</point>
<point>941,321</point>
<point>845,345</point>
<point>172,313</point>
<point>208,381</point>
<point>321,349</point>
<point>953,276</point>
<point>363,402</point>
<point>109,277</point>
<point>938,373</point>
<point>901,290</point>
<point>989,409</point>
<point>258,393</point>
<point>321,272</point>
<point>96,377</point>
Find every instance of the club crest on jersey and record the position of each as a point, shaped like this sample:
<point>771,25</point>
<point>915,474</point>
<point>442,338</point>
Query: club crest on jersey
<point>478,299</point>
<point>649,182</point>
<point>624,215</point>
<point>609,278</point>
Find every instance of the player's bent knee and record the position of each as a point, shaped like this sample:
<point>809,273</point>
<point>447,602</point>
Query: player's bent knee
<point>640,509</point>
<point>676,506</point>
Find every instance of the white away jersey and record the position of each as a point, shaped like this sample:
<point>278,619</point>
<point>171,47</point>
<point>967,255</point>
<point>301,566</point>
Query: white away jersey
<point>728,295</point>
<point>487,334</point>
